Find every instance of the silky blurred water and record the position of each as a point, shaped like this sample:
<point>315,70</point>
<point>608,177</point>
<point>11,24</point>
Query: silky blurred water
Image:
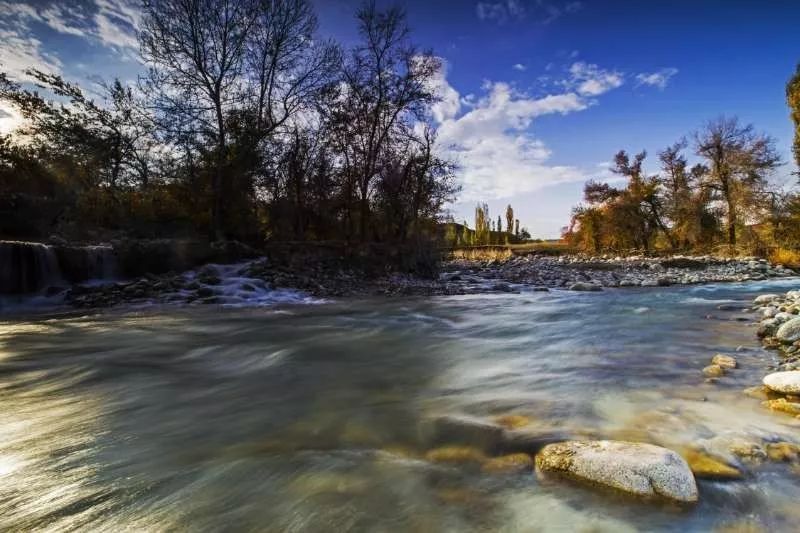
<point>305,418</point>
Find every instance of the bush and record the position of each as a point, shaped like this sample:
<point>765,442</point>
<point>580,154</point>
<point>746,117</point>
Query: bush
<point>785,257</point>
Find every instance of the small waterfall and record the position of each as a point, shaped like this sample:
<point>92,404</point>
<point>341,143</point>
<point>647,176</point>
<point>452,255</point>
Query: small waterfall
<point>27,267</point>
<point>101,262</point>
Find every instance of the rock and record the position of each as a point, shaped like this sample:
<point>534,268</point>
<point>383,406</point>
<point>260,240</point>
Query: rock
<point>724,361</point>
<point>713,371</point>
<point>509,464</point>
<point>459,429</point>
<point>640,469</point>
<point>783,451</point>
<point>782,405</point>
<point>767,328</point>
<point>706,466</point>
<point>512,421</point>
<point>766,298</point>
<point>455,454</point>
<point>783,382</point>
<point>789,331</point>
<point>582,286</point>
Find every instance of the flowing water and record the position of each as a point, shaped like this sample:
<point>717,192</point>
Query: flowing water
<point>305,417</point>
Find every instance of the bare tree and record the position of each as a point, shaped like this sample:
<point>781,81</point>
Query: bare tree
<point>196,50</point>
<point>385,86</point>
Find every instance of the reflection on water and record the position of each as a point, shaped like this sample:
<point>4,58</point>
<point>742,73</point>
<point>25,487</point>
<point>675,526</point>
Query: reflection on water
<point>308,418</point>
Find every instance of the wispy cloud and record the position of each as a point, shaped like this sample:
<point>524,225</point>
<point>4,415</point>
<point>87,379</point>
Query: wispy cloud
<point>520,67</point>
<point>542,11</point>
<point>658,79</point>
<point>108,23</point>
<point>590,80</point>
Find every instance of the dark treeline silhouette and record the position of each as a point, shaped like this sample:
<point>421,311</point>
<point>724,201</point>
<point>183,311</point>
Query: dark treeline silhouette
<point>247,125</point>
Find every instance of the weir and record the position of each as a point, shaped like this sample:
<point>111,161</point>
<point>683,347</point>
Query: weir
<point>28,267</point>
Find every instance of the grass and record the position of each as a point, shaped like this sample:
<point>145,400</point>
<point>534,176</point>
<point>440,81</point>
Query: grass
<point>785,257</point>
<point>506,251</point>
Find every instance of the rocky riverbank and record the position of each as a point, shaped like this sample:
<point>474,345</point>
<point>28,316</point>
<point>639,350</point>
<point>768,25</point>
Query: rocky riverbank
<point>262,281</point>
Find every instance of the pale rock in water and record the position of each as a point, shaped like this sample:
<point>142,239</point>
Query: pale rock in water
<point>724,361</point>
<point>640,469</point>
<point>789,331</point>
<point>784,382</point>
<point>766,298</point>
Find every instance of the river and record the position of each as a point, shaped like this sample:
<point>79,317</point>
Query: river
<point>306,417</point>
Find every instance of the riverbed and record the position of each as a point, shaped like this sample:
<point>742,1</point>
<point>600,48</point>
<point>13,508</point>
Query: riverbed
<point>307,417</point>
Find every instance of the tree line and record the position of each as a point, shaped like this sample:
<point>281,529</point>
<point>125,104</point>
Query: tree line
<point>246,125</point>
<point>723,202</point>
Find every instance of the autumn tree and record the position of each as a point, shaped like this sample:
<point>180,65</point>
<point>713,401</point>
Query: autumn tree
<point>793,100</point>
<point>739,160</point>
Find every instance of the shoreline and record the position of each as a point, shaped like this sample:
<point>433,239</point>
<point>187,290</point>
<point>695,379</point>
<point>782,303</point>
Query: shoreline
<point>259,282</point>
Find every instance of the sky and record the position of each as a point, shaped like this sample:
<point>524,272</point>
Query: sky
<point>536,95</point>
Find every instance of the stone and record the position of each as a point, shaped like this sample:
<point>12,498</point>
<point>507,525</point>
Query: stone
<point>724,361</point>
<point>783,382</point>
<point>713,371</point>
<point>509,464</point>
<point>581,286</point>
<point>706,466</point>
<point>639,469</point>
<point>512,421</point>
<point>782,405</point>
<point>766,298</point>
<point>530,440</point>
<point>783,452</point>
<point>767,328</point>
<point>456,454</point>
<point>789,331</point>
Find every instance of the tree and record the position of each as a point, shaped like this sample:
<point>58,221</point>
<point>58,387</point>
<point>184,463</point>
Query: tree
<point>196,51</point>
<point>385,89</point>
<point>509,219</point>
<point>739,161</point>
<point>516,227</point>
<point>793,100</point>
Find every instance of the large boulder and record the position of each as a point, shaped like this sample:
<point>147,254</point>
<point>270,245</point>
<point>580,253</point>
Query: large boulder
<point>784,382</point>
<point>766,298</point>
<point>789,331</point>
<point>639,469</point>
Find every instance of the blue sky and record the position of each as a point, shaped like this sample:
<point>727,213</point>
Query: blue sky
<point>537,95</point>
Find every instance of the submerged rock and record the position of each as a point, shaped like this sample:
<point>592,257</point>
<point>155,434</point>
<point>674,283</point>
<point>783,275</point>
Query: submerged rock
<point>782,405</point>
<point>706,466</point>
<point>784,382</point>
<point>713,371</point>
<point>455,454</point>
<point>509,464</point>
<point>724,361</point>
<point>640,469</point>
<point>582,286</point>
<point>512,421</point>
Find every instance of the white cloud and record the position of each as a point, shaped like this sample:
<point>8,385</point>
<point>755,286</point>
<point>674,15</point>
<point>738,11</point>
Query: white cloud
<point>520,67</point>
<point>20,52</point>
<point>658,79</point>
<point>502,11</point>
<point>10,119</point>
<point>591,80</point>
<point>491,141</point>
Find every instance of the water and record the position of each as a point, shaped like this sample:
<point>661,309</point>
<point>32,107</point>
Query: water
<point>305,418</point>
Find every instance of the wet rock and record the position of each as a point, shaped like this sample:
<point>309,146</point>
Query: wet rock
<point>639,469</point>
<point>509,464</point>
<point>782,405</point>
<point>789,332</point>
<point>456,455</point>
<point>713,371</point>
<point>512,421</point>
<point>767,328</point>
<point>706,466</point>
<point>783,382</point>
<point>583,286</point>
<point>783,452</point>
<point>724,361</point>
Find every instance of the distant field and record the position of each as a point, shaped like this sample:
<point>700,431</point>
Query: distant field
<point>504,251</point>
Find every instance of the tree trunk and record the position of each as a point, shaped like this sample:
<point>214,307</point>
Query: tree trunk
<point>731,225</point>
